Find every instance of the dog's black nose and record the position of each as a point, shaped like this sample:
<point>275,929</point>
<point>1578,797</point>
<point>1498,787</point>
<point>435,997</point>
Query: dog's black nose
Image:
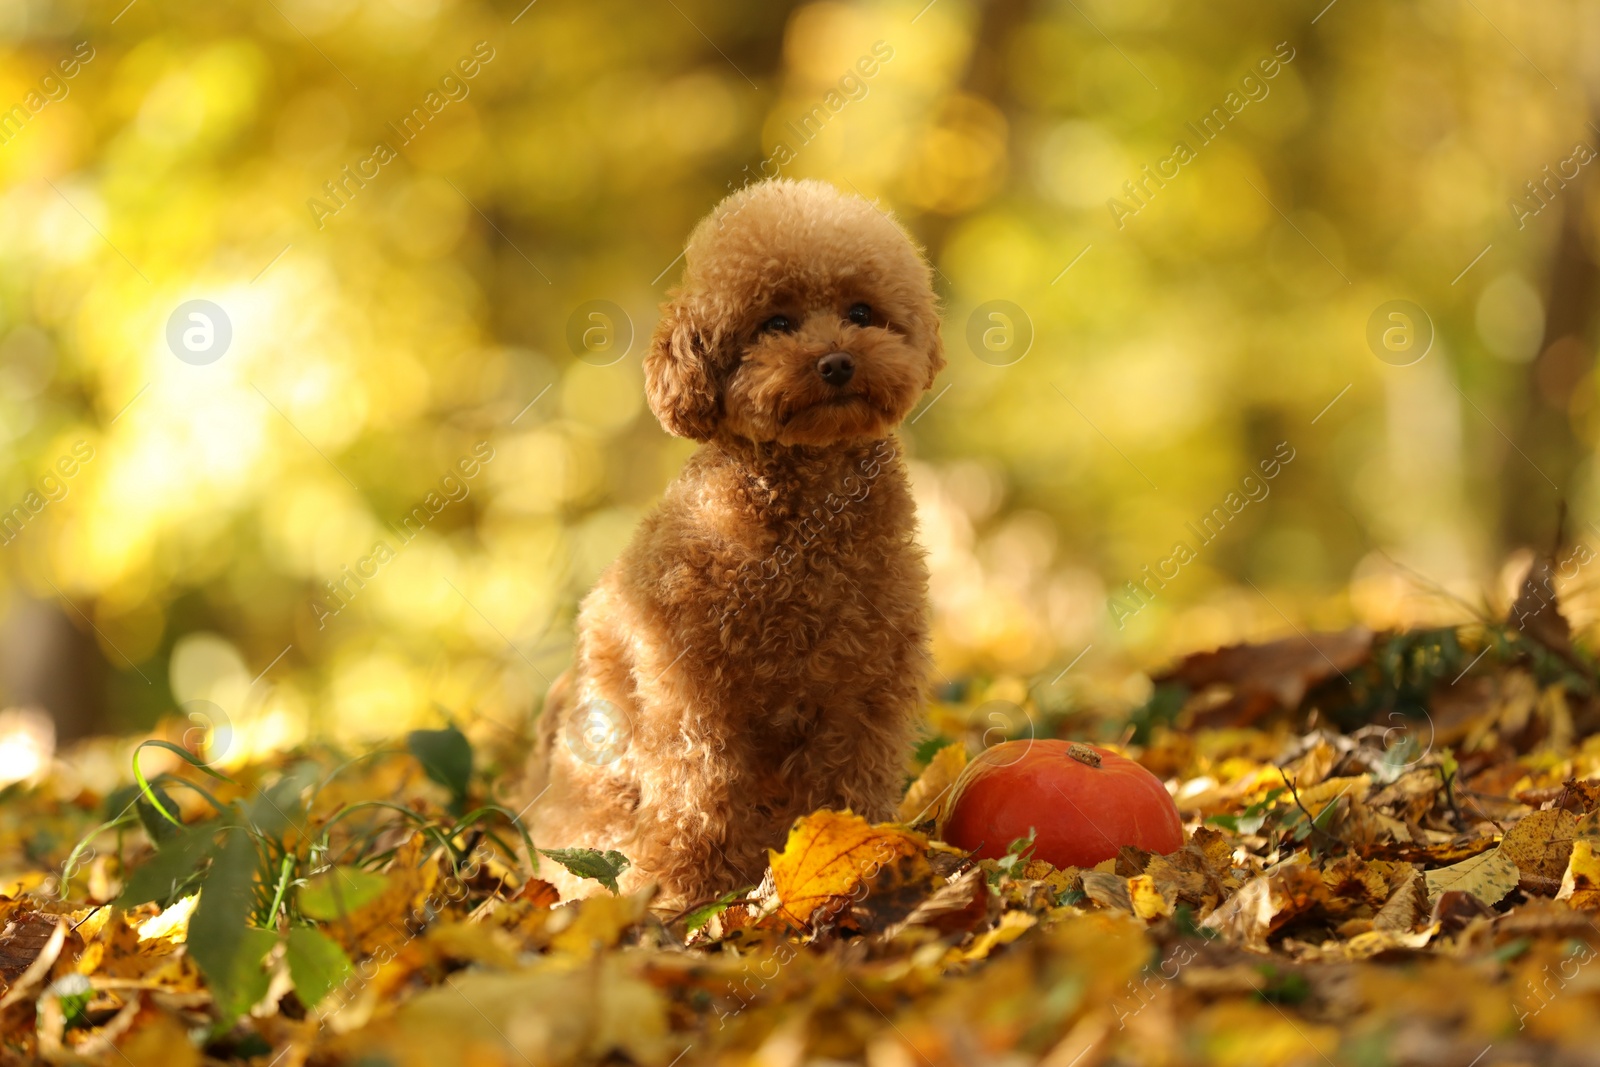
<point>837,368</point>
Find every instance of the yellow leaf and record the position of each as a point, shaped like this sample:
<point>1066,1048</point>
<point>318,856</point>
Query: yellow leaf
<point>927,794</point>
<point>162,1040</point>
<point>597,922</point>
<point>1580,885</point>
<point>1012,925</point>
<point>171,924</point>
<point>1149,903</point>
<point>1540,844</point>
<point>830,853</point>
<point>1489,877</point>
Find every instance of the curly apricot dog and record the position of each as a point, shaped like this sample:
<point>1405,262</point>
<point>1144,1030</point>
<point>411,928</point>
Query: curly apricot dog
<point>759,650</point>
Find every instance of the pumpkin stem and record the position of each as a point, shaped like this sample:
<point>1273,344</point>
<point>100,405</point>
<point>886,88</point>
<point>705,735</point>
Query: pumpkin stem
<point>1083,754</point>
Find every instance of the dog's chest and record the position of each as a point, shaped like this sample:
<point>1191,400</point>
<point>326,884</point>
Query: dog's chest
<point>815,564</point>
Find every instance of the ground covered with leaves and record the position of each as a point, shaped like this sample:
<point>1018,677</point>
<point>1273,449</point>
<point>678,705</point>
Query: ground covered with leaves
<point>1392,857</point>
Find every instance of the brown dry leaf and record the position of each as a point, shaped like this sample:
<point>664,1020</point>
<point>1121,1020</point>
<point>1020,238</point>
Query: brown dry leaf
<point>539,893</point>
<point>893,892</point>
<point>1277,674</point>
<point>926,795</point>
<point>1540,845</point>
<point>1407,908</point>
<point>1188,876</point>
<point>1358,883</point>
<point>960,904</point>
<point>1489,877</point>
<point>1580,883</point>
<point>1266,903</point>
<point>1446,852</point>
<point>828,854</point>
<point>1108,890</point>
<point>22,941</point>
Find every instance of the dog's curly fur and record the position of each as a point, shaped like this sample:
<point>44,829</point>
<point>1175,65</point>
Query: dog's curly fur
<point>759,650</point>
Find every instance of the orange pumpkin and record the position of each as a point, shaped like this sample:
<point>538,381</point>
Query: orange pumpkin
<point>1083,803</point>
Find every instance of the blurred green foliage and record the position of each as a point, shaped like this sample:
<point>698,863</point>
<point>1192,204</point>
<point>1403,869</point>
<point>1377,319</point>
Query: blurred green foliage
<point>407,209</point>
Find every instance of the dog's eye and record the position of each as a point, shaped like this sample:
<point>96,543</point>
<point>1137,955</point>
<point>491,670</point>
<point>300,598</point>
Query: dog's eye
<point>777,324</point>
<point>860,314</point>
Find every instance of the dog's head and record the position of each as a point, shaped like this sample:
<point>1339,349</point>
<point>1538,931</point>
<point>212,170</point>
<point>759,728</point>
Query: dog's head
<point>806,317</point>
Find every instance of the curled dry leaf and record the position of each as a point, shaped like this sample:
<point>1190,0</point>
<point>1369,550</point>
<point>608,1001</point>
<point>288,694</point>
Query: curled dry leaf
<point>1580,883</point>
<point>1278,674</point>
<point>1266,903</point>
<point>928,793</point>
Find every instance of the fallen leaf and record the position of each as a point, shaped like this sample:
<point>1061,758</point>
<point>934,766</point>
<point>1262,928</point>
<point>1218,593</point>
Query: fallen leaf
<point>1489,877</point>
<point>23,940</point>
<point>1149,902</point>
<point>1540,844</point>
<point>892,893</point>
<point>1012,925</point>
<point>829,854</point>
<point>1580,883</point>
<point>960,904</point>
<point>926,795</point>
<point>1277,674</point>
<point>1407,908</point>
<point>39,956</point>
<point>1266,903</point>
<point>1108,890</point>
<point>597,923</point>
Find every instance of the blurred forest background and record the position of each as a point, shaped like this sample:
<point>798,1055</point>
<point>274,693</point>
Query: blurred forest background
<point>438,231</point>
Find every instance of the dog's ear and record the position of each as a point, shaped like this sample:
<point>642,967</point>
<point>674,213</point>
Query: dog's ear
<point>677,377</point>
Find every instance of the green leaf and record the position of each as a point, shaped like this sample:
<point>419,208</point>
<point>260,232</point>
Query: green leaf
<point>1017,853</point>
<point>446,756</point>
<point>227,950</point>
<point>339,891</point>
<point>279,806</point>
<point>706,912</point>
<point>603,867</point>
<point>316,964</point>
<point>160,829</point>
<point>1282,987</point>
<point>1252,818</point>
<point>165,875</point>
<point>73,992</point>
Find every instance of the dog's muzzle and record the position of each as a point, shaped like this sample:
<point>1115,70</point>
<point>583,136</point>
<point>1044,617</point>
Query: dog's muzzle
<point>837,368</point>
